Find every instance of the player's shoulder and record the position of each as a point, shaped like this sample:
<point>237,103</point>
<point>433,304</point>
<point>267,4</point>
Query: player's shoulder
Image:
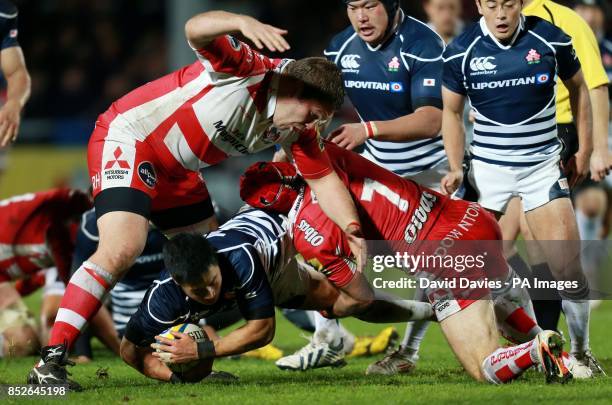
<point>339,40</point>
<point>419,39</point>
<point>164,290</point>
<point>463,41</point>
<point>546,30</point>
<point>8,10</point>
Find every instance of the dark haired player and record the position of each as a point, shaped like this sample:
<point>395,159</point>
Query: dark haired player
<point>148,147</point>
<point>248,263</point>
<point>507,65</point>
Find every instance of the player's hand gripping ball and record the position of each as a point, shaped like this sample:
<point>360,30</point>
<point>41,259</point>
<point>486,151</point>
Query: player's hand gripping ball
<point>192,331</point>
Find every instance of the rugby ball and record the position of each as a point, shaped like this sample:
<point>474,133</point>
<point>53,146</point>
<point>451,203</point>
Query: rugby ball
<point>196,334</point>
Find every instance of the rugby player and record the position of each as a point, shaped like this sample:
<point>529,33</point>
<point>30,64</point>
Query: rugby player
<point>416,219</point>
<point>392,65</point>
<point>35,235</point>
<point>146,151</point>
<point>507,64</point>
<point>249,263</point>
<point>585,43</point>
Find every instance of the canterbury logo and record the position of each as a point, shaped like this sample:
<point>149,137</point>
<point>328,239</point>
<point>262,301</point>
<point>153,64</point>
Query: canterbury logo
<point>481,64</point>
<point>350,61</point>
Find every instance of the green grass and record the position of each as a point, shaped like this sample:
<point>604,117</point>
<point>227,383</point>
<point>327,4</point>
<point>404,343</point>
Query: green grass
<point>438,378</point>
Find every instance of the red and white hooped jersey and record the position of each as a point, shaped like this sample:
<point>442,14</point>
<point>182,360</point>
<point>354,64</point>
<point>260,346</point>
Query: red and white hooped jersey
<point>222,105</point>
<point>35,233</point>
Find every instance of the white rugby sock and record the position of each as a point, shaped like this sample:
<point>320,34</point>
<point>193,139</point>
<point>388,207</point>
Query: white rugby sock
<point>415,332</point>
<point>327,330</point>
<point>577,315</point>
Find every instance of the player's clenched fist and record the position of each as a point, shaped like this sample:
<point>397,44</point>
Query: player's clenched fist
<point>451,182</point>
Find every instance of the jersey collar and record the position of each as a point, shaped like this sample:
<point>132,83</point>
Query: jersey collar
<point>273,89</point>
<point>391,35</point>
<point>486,32</point>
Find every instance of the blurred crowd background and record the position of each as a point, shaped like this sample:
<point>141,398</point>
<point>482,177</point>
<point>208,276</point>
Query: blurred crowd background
<point>90,53</point>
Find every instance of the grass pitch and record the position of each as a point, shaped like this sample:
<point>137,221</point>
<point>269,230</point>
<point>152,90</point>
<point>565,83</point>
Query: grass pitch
<point>438,378</point>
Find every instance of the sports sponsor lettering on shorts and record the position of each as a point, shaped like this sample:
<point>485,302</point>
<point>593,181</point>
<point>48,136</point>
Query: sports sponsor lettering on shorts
<point>465,224</point>
<point>444,303</point>
<point>420,216</point>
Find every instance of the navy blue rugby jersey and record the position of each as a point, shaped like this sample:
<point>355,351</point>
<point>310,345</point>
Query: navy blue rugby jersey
<point>8,25</point>
<point>512,89</point>
<point>249,246</point>
<point>390,81</point>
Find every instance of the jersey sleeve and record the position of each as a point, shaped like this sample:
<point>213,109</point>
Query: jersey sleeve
<point>452,72</point>
<point>163,306</point>
<point>426,66</point>
<point>226,56</point>
<point>308,152</point>
<point>567,60</point>
<point>254,294</point>
<point>587,50</point>
<point>9,30</point>
<point>331,257</point>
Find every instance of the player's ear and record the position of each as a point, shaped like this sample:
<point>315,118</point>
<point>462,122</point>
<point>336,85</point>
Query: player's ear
<point>478,5</point>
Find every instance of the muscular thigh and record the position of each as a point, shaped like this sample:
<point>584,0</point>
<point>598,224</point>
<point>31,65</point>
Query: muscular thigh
<point>462,330</point>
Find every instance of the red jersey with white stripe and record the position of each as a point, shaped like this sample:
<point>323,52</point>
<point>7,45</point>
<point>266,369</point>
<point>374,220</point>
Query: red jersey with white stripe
<point>35,232</point>
<point>222,105</point>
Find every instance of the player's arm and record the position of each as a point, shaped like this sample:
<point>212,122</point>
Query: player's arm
<point>426,119</point>
<point>203,28</point>
<point>142,359</point>
<point>160,308</point>
<point>424,123</point>
<point>453,134</point>
<point>256,304</point>
<point>337,203</point>
<point>332,194</point>
<point>254,334</point>
<point>18,82</point>
<point>578,167</point>
<point>600,164</point>
<point>587,50</point>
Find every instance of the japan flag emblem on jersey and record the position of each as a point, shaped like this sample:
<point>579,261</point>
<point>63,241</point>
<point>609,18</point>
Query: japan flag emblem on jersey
<point>429,82</point>
<point>13,33</point>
